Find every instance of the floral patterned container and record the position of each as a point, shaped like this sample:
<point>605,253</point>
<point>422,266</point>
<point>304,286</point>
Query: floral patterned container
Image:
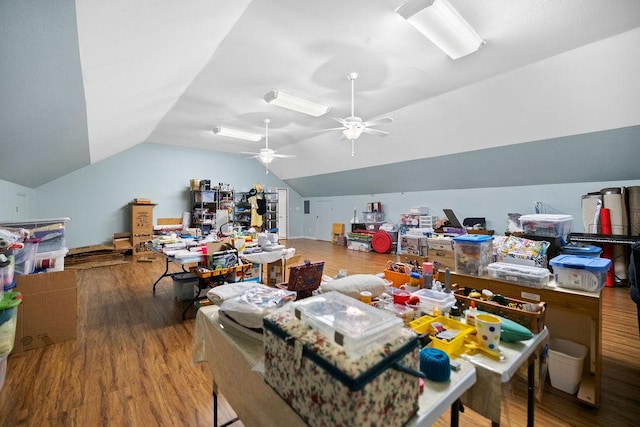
<point>328,388</point>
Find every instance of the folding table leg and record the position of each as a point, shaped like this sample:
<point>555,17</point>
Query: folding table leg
<point>215,410</point>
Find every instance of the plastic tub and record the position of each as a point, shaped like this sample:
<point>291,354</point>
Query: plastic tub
<point>8,319</point>
<point>566,360</point>
<point>184,286</point>
<point>473,253</point>
<point>547,225</point>
<point>355,326</point>
<point>6,273</point>
<point>51,261</point>
<point>431,300</point>
<point>26,258</point>
<point>584,250</point>
<point>534,277</point>
<point>580,272</point>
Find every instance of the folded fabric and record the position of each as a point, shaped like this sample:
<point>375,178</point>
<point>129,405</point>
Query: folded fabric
<point>253,304</point>
<point>356,283</point>
<point>220,293</point>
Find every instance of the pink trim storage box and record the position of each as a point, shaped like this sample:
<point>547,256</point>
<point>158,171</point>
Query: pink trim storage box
<point>327,388</point>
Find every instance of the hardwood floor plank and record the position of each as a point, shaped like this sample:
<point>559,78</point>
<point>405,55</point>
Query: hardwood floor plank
<point>131,363</point>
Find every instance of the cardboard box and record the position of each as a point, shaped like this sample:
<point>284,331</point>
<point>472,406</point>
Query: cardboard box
<point>122,241</point>
<point>278,271</point>
<point>141,228</point>
<point>49,310</point>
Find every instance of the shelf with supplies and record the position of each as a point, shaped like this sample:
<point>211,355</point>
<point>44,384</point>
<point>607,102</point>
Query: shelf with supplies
<point>207,203</point>
<point>270,217</point>
<point>242,211</point>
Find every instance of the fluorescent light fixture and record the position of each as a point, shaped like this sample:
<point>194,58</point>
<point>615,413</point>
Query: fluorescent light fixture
<point>284,100</point>
<point>239,134</point>
<point>443,25</point>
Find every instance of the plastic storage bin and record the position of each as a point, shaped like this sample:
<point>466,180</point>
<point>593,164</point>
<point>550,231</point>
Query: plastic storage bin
<point>566,360</point>
<point>584,250</point>
<point>8,319</point>
<point>548,225</point>
<point>373,216</point>
<point>352,324</point>
<point>534,277</point>
<point>580,272</point>
<point>451,346</point>
<point>3,370</point>
<point>50,232</point>
<point>26,258</point>
<point>431,301</point>
<point>185,286</point>
<point>473,253</point>
<point>51,261</point>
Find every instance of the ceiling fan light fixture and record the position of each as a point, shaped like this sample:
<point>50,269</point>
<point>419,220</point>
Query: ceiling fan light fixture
<point>353,132</point>
<point>265,158</point>
<point>443,25</point>
<point>238,134</point>
<point>294,103</point>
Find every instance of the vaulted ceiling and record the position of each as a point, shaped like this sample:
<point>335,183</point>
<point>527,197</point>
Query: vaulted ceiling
<point>86,80</point>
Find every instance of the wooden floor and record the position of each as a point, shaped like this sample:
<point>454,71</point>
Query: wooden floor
<point>131,363</point>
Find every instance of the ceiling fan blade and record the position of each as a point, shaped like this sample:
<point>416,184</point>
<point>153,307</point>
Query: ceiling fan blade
<point>284,156</point>
<point>375,132</point>
<point>326,130</point>
<point>379,121</point>
<point>343,122</point>
<point>248,152</point>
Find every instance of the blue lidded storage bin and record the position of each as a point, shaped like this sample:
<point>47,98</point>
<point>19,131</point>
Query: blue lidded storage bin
<point>473,253</point>
<point>585,273</point>
<point>583,250</point>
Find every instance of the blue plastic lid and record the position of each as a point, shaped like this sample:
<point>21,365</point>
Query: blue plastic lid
<point>473,238</point>
<point>586,250</point>
<point>581,262</point>
<point>10,286</point>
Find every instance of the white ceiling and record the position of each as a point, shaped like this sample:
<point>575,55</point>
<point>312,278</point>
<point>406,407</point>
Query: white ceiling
<point>168,72</point>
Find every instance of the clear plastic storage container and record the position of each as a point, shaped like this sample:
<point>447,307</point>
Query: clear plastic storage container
<point>473,253</point>
<point>580,272</point>
<point>547,225</point>
<point>352,324</point>
<point>8,319</point>
<point>534,277</point>
<point>431,301</point>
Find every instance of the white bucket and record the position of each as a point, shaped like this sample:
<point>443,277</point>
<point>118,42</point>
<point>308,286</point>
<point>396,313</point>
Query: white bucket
<point>566,360</point>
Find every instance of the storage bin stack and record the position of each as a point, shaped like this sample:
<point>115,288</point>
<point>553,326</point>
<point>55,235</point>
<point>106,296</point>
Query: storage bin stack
<point>552,228</point>
<point>8,319</point>
<point>46,238</point>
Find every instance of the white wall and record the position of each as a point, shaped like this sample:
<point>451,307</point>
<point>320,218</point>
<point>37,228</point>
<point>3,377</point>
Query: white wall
<point>15,202</point>
<point>97,197</point>
<point>491,203</point>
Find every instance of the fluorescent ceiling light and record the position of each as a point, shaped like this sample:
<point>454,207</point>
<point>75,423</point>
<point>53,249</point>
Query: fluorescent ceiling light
<point>443,25</point>
<point>281,99</point>
<point>239,134</point>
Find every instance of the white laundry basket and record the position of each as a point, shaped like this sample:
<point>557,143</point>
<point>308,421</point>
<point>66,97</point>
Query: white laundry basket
<point>566,360</point>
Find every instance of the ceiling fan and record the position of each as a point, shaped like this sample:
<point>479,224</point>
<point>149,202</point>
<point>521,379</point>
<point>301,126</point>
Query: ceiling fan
<point>353,126</point>
<point>266,154</point>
